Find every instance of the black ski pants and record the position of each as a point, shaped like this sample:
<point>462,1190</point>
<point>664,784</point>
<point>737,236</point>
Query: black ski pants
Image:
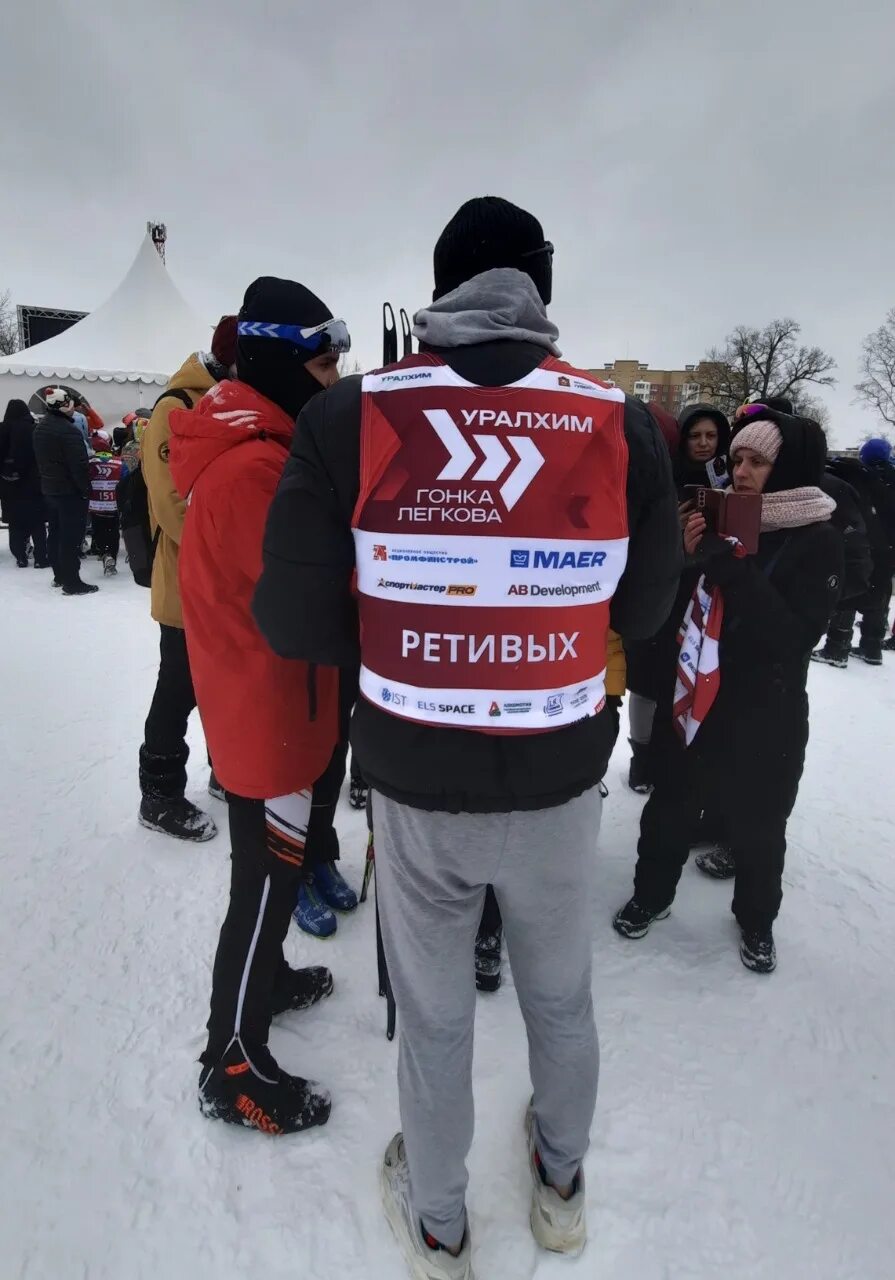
<point>267,852</point>
<point>754,825</point>
<point>164,753</point>
<point>67,517</point>
<point>106,535</point>
<point>27,519</point>
<point>873,606</point>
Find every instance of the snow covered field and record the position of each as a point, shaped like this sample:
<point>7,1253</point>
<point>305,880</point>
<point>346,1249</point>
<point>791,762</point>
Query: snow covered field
<point>744,1128</point>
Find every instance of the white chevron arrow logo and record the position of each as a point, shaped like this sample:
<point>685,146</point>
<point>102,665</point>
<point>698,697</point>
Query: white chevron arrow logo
<point>462,458</point>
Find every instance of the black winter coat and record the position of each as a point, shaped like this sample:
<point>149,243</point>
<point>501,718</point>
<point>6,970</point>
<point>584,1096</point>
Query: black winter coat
<point>61,456</point>
<point>848,519</point>
<point>304,605</point>
<point>17,452</point>
<point>875,487</point>
<point>777,605</point>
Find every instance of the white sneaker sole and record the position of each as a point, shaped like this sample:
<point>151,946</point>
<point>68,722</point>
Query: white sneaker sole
<point>420,1268</point>
<point>569,1236</point>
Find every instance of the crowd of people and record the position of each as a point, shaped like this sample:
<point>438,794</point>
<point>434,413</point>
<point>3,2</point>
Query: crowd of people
<point>462,561</point>
<point>59,477</point>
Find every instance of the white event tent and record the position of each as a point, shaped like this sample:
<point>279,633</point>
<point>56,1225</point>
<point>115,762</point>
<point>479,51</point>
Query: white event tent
<point>121,355</point>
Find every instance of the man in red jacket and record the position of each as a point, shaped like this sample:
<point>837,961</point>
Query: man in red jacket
<point>271,724</point>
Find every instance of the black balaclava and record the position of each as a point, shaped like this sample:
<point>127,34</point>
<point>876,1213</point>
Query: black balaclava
<point>489,232</point>
<point>686,471</point>
<point>274,366</point>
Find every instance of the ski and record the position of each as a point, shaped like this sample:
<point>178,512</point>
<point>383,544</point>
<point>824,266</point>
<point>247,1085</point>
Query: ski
<point>389,335</point>
<point>406,332</point>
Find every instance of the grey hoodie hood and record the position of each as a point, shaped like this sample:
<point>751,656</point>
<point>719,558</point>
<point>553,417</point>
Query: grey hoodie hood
<point>499,304</point>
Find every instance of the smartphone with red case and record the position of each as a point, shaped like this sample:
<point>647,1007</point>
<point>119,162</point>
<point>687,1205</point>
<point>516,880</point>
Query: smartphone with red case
<point>729,514</point>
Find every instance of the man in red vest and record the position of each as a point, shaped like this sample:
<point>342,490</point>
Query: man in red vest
<point>501,510</point>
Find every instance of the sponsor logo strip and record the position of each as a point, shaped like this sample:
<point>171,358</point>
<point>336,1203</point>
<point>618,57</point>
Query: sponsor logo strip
<point>484,708</point>
<point>484,571</point>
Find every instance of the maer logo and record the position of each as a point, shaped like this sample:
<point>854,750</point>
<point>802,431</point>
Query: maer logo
<point>557,559</point>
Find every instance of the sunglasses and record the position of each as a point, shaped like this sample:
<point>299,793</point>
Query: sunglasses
<point>332,335</point>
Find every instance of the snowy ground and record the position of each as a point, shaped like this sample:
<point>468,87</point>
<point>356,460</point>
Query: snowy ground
<point>745,1125</point>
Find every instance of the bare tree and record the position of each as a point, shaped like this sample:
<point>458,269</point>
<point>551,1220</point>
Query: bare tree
<point>349,364</point>
<point>9,329</point>
<point>764,362</point>
<point>877,385</point>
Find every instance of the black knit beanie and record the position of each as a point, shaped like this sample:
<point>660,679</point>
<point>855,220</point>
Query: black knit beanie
<point>274,366</point>
<point>490,232</point>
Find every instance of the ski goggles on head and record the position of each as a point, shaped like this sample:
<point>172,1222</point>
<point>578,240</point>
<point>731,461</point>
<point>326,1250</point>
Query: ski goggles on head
<point>332,335</point>
<point>750,410</point>
<point>546,247</point>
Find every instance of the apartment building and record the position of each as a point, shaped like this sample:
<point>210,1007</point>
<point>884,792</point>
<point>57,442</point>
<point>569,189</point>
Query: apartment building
<point>670,389</point>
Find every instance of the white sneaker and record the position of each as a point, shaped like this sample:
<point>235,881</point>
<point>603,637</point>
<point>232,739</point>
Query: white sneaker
<point>424,1263</point>
<point>558,1225</point>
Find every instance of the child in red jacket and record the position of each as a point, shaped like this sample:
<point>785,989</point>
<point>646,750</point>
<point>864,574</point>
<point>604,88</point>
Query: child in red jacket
<point>271,723</point>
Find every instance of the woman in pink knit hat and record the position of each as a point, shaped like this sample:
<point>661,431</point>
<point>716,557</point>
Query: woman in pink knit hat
<point>733,722</point>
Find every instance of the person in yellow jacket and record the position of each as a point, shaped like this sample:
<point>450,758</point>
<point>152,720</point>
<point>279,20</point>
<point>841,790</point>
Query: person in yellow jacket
<point>164,752</point>
<point>489,939</point>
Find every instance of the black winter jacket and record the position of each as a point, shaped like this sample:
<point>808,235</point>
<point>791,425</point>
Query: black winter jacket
<point>304,605</point>
<point>17,461</point>
<point>777,605</point>
<point>61,456</point>
<point>847,518</point>
<point>875,487</point>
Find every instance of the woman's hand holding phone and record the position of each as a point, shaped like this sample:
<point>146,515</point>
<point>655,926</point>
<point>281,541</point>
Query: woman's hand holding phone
<point>694,529</point>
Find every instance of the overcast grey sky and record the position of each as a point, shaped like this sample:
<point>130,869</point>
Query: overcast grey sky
<point>697,164</point>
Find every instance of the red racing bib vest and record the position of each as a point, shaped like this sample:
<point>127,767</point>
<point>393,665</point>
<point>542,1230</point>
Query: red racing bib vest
<point>490,535</point>
<point>105,472</point>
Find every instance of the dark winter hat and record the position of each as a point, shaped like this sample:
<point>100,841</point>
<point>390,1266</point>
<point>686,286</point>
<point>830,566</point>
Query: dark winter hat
<point>803,449</point>
<point>876,450</point>
<point>17,411</point>
<point>489,232</point>
<point>692,414</point>
<point>223,341</point>
<point>275,366</point>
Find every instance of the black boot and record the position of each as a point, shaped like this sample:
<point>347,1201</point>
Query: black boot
<point>889,645</point>
<point>640,774</point>
<point>301,988</point>
<point>215,790</point>
<point>757,951</point>
<point>163,807</point>
<point>487,960</point>
<point>633,920</point>
<point>869,651</point>
<point>717,862</point>
<point>232,1090</point>
<point>357,793</point>
<point>80,589</point>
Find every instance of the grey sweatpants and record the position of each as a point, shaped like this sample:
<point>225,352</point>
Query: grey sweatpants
<point>431,873</point>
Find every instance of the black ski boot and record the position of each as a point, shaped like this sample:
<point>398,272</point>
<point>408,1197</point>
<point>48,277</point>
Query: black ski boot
<point>276,1103</point>
<point>869,651</point>
<point>176,817</point>
<point>300,988</point>
<point>357,793</point>
<point>487,960</point>
<point>633,920</point>
<point>640,774</point>
<point>757,951</point>
<point>717,862</point>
